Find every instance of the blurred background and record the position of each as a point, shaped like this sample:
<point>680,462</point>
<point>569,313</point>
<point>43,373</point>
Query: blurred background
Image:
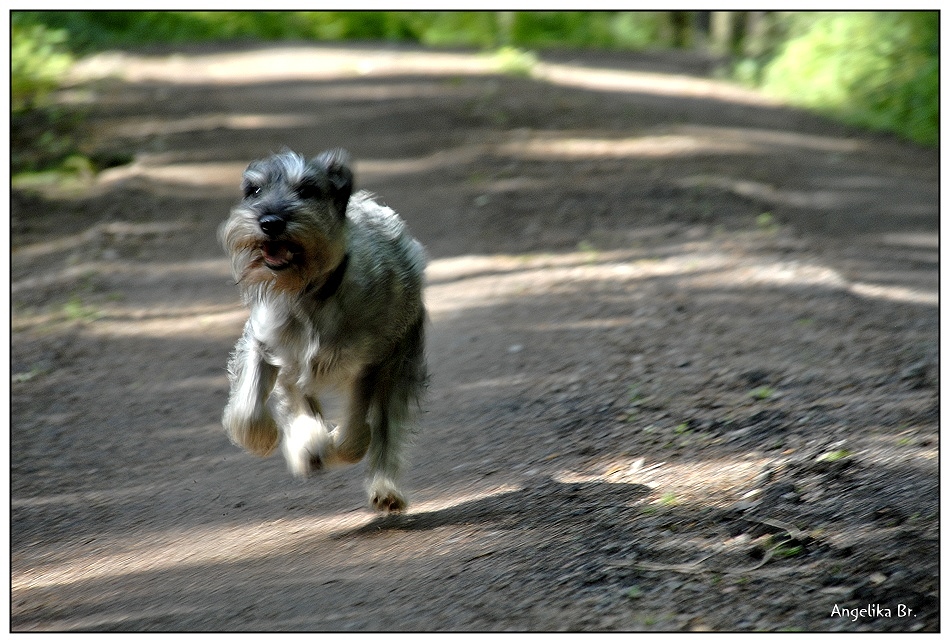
<point>878,70</point>
<point>684,304</point>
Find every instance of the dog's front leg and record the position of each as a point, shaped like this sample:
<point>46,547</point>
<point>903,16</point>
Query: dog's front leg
<point>246,418</point>
<point>308,444</point>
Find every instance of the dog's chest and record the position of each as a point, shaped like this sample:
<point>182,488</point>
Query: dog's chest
<point>310,347</point>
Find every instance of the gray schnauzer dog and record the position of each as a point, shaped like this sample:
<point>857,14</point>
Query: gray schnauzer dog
<point>334,286</point>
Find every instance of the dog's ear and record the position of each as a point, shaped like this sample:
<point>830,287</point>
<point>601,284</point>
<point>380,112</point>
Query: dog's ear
<point>336,163</point>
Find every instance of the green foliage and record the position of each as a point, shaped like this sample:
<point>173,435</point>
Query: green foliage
<point>92,30</point>
<point>515,62</point>
<point>603,29</point>
<point>40,132</point>
<point>540,29</point>
<point>875,69</point>
<point>482,29</point>
<point>38,62</point>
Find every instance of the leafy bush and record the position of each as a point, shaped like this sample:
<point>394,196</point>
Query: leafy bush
<point>93,30</point>
<point>457,28</point>
<point>90,30</point>
<point>38,62</point>
<point>598,29</point>
<point>875,69</point>
<point>40,132</point>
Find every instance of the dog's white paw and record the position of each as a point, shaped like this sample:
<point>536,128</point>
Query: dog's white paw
<point>385,496</point>
<point>257,434</point>
<point>308,447</point>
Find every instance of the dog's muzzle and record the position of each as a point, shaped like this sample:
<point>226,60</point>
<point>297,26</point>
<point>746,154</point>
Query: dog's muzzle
<point>272,224</point>
<point>278,254</point>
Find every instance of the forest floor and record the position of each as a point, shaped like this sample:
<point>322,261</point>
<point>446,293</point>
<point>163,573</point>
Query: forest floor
<point>683,347</point>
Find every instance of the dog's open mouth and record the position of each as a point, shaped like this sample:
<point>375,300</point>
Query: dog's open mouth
<point>278,255</point>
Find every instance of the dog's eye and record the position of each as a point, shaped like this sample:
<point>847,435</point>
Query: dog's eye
<point>251,190</point>
<point>309,191</point>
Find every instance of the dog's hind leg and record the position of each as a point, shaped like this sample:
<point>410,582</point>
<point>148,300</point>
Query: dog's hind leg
<point>352,438</point>
<point>384,466</point>
<point>397,383</point>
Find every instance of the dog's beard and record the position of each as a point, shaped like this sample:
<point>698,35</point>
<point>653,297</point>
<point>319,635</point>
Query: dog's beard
<point>261,265</point>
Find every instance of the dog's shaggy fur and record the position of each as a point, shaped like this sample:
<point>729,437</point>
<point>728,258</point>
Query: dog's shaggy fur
<point>334,285</point>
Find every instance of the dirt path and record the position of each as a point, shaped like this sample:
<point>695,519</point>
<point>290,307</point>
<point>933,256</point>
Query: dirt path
<point>683,343</point>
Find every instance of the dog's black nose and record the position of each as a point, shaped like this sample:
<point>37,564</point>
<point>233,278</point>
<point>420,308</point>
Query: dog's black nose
<point>272,224</point>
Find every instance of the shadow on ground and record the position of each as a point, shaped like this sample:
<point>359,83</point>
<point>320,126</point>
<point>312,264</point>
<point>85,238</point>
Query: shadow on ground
<point>547,501</point>
<point>683,346</point>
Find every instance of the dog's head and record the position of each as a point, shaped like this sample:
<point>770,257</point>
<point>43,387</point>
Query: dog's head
<point>288,231</point>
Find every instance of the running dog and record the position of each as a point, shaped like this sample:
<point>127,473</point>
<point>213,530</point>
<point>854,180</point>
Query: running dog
<point>334,285</point>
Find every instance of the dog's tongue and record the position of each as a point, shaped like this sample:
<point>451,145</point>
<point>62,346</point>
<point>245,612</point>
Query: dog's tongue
<point>277,254</point>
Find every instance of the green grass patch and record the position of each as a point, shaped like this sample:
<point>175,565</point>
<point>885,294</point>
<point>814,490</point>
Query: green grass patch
<point>766,223</point>
<point>76,310</point>
<point>834,456</point>
<point>36,371</point>
<point>515,62</point>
